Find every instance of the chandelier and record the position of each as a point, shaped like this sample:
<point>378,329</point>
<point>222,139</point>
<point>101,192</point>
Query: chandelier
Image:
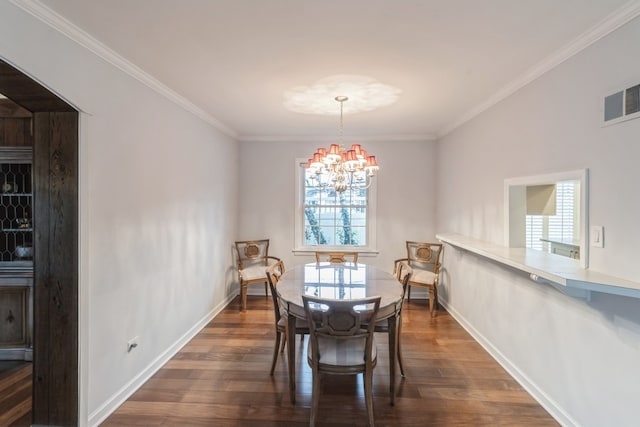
<point>340,168</point>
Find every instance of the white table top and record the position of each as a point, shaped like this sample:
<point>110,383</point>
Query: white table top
<point>338,281</point>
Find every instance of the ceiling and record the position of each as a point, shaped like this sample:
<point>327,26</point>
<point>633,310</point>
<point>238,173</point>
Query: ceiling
<point>234,60</point>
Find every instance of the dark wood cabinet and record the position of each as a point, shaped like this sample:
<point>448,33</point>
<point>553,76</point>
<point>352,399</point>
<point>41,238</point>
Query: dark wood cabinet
<point>16,253</point>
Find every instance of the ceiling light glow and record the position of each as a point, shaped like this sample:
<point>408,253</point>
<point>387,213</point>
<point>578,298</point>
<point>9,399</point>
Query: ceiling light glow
<point>365,94</point>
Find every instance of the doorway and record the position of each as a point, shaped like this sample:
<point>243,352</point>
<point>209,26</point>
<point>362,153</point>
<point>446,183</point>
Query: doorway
<point>55,246</point>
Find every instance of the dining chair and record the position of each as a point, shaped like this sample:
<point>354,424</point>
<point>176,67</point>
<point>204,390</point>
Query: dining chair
<point>341,342</point>
<point>403,275</point>
<point>273,276</point>
<point>336,257</point>
<point>253,261</point>
<point>425,260</point>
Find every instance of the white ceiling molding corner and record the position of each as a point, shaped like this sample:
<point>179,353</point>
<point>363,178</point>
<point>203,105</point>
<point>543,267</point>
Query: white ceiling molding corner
<point>63,26</point>
<point>611,23</point>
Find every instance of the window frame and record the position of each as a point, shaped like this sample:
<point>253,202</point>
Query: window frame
<point>300,247</point>
<point>514,208</point>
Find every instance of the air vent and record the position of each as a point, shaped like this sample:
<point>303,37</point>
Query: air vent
<point>632,100</point>
<point>622,105</point>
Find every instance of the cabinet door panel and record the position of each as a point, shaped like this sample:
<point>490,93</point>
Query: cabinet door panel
<point>13,305</point>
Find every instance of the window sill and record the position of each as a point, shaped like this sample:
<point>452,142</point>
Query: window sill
<point>565,274</point>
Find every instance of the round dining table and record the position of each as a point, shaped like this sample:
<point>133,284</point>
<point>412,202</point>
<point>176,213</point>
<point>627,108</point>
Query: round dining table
<point>339,281</point>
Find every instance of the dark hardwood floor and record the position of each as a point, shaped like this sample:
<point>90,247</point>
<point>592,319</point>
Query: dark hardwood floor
<point>15,393</point>
<point>221,378</point>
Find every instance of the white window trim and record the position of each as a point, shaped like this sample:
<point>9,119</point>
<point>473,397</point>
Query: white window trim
<point>581,175</point>
<point>298,245</point>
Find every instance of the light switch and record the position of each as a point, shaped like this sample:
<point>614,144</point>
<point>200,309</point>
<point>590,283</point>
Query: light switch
<point>596,236</point>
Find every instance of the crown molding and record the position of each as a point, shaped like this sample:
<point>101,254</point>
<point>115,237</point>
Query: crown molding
<point>332,139</point>
<point>609,24</point>
<point>62,25</point>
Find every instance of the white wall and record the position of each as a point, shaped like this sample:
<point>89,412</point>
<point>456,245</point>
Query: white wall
<point>406,195</point>
<point>158,211</point>
<point>579,358</point>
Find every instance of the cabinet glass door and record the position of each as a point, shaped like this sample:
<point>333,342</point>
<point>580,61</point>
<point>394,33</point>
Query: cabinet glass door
<point>16,215</point>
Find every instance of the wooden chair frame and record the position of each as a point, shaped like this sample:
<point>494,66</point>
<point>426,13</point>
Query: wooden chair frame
<point>252,254</point>
<point>423,256</point>
<point>273,276</point>
<point>403,275</point>
<point>338,320</point>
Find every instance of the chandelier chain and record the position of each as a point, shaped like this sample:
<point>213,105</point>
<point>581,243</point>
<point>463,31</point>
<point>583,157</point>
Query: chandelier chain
<point>341,100</point>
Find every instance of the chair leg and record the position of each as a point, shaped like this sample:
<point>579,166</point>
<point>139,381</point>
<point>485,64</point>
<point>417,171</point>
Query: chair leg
<point>315,397</point>
<point>368,394</point>
<point>275,352</point>
<point>432,300</point>
<point>284,342</point>
<point>399,350</point>
<point>243,296</point>
<point>266,290</point>
<point>435,296</point>
<point>409,293</point>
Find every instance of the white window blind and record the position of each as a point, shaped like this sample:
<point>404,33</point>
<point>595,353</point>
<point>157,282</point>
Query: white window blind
<point>560,227</point>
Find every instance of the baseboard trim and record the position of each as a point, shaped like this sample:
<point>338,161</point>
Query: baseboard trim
<point>107,408</point>
<point>540,396</point>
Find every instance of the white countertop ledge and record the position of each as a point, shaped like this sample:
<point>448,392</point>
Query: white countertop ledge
<point>564,273</point>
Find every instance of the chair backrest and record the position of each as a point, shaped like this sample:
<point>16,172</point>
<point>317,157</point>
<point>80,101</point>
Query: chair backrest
<point>336,257</point>
<point>251,252</point>
<point>273,276</point>
<point>424,256</point>
<point>341,319</point>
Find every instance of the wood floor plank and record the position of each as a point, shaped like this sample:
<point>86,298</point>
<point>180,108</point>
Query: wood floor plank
<point>15,393</point>
<point>222,378</point>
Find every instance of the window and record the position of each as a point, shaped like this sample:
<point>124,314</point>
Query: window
<point>550,232</point>
<point>556,223</point>
<point>330,219</point>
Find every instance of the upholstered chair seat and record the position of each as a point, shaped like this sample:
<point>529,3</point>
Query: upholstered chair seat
<point>423,276</point>
<point>254,272</point>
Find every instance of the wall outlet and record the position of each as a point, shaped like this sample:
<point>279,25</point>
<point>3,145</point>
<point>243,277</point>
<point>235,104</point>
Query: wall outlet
<point>596,236</point>
<point>132,343</point>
